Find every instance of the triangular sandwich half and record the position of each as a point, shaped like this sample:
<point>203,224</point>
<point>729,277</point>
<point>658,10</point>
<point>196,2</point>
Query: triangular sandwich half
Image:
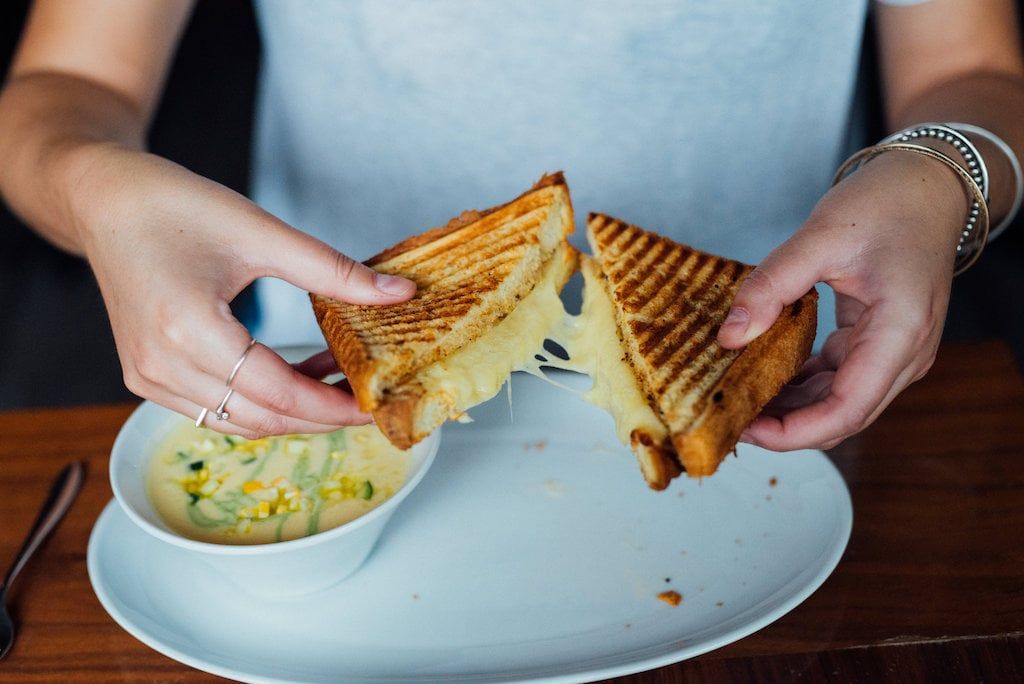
<point>669,301</point>
<point>487,294</point>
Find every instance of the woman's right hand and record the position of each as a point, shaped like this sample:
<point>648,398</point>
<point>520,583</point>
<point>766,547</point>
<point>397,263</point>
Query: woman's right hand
<point>170,250</point>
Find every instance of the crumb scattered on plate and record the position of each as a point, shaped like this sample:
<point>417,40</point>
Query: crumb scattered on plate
<point>718,604</point>
<point>774,481</point>
<point>672,598</point>
<point>539,445</point>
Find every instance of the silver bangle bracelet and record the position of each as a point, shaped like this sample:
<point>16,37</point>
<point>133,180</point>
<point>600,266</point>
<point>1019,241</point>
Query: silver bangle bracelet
<point>973,164</point>
<point>1018,174</point>
<point>977,215</point>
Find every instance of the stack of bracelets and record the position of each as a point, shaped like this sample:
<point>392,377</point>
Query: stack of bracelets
<point>972,172</point>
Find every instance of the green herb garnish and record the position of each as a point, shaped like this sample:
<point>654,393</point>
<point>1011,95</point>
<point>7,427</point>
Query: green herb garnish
<point>182,456</point>
<point>196,465</point>
<point>192,498</point>
<point>366,491</point>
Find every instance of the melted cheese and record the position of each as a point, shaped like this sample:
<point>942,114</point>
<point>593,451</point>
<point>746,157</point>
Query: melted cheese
<point>594,348</point>
<point>476,372</point>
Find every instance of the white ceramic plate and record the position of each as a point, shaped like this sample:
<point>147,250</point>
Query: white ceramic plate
<point>531,551</point>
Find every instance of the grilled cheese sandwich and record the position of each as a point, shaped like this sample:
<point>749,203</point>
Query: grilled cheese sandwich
<point>485,283</point>
<point>488,298</point>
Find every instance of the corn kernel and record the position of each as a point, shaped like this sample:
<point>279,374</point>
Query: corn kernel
<point>265,494</point>
<point>279,481</point>
<point>263,510</point>
<point>251,486</point>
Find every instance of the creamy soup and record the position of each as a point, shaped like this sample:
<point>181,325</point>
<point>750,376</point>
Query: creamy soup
<point>229,490</point>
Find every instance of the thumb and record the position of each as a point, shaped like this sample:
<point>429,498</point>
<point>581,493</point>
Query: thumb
<point>783,277</point>
<point>306,262</point>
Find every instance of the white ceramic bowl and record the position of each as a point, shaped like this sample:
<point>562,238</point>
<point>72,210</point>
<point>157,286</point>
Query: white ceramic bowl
<point>279,569</point>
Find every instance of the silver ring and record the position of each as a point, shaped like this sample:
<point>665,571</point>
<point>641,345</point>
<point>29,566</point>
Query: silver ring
<point>238,364</point>
<point>220,412</point>
<point>202,417</point>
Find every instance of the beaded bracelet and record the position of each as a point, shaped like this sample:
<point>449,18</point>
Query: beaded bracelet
<point>1018,174</point>
<point>977,209</point>
<point>974,164</point>
<point>973,161</point>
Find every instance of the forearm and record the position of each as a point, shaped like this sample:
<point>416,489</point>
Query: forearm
<point>49,123</point>
<point>993,101</point>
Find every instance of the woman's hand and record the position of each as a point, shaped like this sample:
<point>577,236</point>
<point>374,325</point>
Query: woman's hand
<point>884,240</point>
<point>170,250</point>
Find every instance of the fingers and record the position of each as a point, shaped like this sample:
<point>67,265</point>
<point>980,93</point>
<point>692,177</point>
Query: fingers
<point>263,378</point>
<point>876,365</point>
<point>318,366</point>
<point>795,396</point>
<point>195,356</point>
<point>306,262</point>
<point>201,389</point>
<point>784,276</point>
<point>192,410</point>
<point>269,381</point>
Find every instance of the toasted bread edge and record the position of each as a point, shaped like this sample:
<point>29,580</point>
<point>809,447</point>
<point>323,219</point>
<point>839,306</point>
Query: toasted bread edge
<point>754,378</point>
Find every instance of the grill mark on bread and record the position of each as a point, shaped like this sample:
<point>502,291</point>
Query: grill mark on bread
<point>631,257</point>
<point>613,246</point>
<point>596,220</point>
<point>632,290</point>
<point>662,278</point>
<point>434,309</point>
<point>446,257</point>
<point>672,305</point>
<point>693,335</point>
<point>503,250</point>
<point>682,368</point>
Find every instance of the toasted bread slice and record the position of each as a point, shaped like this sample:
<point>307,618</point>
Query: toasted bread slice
<point>670,301</point>
<point>470,275</point>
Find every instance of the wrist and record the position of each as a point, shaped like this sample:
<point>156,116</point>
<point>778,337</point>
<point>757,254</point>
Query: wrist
<point>930,194</point>
<point>80,173</point>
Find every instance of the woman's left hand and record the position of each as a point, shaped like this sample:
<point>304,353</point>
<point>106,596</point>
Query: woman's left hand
<point>884,240</point>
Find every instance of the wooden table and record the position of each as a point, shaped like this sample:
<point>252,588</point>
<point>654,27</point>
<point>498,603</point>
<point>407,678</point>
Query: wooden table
<point>931,587</point>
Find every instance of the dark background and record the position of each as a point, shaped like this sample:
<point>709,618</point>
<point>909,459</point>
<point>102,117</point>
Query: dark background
<point>55,343</point>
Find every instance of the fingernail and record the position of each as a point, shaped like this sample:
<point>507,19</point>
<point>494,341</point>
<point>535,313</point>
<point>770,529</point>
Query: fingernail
<point>392,285</point>
<point>737,317</point>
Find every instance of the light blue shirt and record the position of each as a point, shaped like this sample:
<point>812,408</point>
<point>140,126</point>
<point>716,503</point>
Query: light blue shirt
<point>718,124</point>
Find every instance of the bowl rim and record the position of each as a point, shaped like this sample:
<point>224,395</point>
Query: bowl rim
<point>120,451</point>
